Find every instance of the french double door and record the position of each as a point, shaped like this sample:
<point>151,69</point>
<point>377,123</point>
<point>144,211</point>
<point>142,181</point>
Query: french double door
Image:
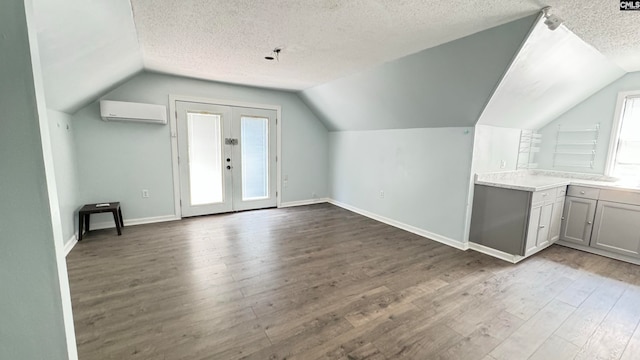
<point>227,158</point>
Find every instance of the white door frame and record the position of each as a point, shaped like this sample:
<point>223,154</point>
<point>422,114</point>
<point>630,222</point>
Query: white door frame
<point>173,122</point>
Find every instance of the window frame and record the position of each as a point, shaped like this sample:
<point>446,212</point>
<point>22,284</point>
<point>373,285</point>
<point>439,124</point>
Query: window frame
<point>616,126</point>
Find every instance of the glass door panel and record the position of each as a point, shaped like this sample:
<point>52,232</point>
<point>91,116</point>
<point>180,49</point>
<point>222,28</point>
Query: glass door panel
<point>205,158</point>
<point>255,157</point>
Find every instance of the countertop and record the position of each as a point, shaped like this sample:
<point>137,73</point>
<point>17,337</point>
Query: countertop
<point>539,182</point>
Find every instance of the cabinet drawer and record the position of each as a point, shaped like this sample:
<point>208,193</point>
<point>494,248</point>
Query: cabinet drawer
<point>544,195</point>
<point>583,192</point>
<point>619,196</point>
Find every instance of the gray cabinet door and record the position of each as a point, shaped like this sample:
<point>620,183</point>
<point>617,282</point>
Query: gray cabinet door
<point>556,220</point>
<point>578,220</point>
<point>617,228</point>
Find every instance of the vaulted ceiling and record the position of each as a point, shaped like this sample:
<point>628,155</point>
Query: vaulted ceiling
<point>326,39</point>
<point>88,46</point>
<point>447,85</point>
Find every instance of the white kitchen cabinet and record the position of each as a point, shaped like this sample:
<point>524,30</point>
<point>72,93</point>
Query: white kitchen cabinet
<point>578,220</point>
<point>617,228</point>
<point>539,225</point>
<point>531,240</point>
<point>556,219</point>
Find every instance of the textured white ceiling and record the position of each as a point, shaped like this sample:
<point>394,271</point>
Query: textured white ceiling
<point>326,39</point>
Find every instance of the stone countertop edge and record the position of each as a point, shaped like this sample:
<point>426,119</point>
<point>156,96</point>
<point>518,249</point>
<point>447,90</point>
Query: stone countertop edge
<point>539,183</point>
<point>522,185</point>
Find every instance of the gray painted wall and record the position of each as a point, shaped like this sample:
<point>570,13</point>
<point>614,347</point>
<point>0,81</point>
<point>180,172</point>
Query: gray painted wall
<point>31,325</point>
<point>598,108</point>
<point>447,85</point>
<point>116,160</point>
<point>424,174</point>
<point>65,162</point>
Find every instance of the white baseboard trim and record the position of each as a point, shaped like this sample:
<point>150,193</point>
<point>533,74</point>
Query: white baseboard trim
<point>68,246</point>
<point>303,202</point>
<point>131,222</point>
<point>495,253</point>
<point>400,225</point>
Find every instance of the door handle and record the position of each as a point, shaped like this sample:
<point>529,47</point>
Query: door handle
<point>541,226</point>
<point>588,222</point>
<point>228,159</point>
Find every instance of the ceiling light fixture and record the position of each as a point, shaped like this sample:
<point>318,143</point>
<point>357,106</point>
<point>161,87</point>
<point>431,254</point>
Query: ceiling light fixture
<point>275,55</point>
<point>552,21</point>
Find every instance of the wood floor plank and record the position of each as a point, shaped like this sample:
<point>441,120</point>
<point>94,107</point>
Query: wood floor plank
<point>338,348</point>
<point>533,333</point>
<point>366,352</point>
<point>555,348</point>
<point>633,347</point>
<point>483,338</point>
<point>580,326</point>
<point>612,336</point>
<point>320,282</point>
<point>580,289</point>
<point>419,343</point>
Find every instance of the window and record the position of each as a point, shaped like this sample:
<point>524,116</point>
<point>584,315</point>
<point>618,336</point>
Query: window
<point>624,148</point>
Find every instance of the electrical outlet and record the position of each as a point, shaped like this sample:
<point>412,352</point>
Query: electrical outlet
<point>503,164</point>
<point>285,183</point>
<point>314,195</point>
<point>381,194</point>
<point>145,193</point>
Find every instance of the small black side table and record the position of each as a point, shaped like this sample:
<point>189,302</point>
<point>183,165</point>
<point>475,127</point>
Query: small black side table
<point>85,214</point>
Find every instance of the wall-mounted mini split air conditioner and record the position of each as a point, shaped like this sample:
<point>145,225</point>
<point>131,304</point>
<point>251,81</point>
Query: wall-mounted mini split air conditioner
<point>135,112</point>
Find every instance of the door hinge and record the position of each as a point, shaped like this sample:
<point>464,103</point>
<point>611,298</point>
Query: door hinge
<point>276,121</point>
<point>276,194</point>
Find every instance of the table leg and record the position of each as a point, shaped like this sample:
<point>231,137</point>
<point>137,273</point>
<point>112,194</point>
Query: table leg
<point>116,219</point>
<point>87,222</point>
<point>120,216</point>
<point>80,225</point>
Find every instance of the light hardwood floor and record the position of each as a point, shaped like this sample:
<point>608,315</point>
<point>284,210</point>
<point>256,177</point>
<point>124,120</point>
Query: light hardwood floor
<point>320,282</point>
